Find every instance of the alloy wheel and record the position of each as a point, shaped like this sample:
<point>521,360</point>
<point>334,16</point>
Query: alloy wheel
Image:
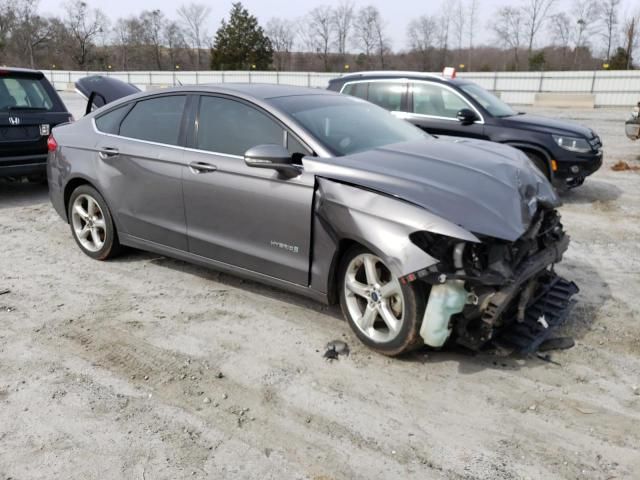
<point>88,223</point>
<point>373,298</point>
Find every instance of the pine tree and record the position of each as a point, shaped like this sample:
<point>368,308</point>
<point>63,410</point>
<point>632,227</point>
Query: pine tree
<point>241,43</point>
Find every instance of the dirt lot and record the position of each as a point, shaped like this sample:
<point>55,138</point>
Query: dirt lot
<point>150,368</point>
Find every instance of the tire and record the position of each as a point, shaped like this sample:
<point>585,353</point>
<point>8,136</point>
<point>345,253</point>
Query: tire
<point>91,224</point>
<point>540,162</point>
<point>366,305</point>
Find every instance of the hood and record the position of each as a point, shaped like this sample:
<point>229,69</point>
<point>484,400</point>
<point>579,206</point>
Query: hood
<point>486,188</point>
<point>547,125</point>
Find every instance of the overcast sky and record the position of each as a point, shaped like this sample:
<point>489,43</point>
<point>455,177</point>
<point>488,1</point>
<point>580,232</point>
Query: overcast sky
<point>397,13</point>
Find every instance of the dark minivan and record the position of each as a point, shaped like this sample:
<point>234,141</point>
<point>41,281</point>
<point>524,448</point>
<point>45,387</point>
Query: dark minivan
<point>29,109</point>
<point>564,151</point>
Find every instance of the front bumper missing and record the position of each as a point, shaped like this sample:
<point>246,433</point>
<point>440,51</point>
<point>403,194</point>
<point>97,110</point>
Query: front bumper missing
<point>545,313</point>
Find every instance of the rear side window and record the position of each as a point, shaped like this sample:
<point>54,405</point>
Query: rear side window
<point>20,93</point>
<point>231,127</point>
<point>387,94</point>
<point>155,120</point>
<point>110,121</point>
<point>359,90</point>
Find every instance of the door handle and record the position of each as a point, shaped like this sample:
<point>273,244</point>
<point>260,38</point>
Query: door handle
<point>202,167</point>
<point>108,152</point>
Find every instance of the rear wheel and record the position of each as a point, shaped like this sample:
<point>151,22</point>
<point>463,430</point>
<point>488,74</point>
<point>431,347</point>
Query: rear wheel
<point>384,314</point>
<point>540,162</point>
<point>91,224</point>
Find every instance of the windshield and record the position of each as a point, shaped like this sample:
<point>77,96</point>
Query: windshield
<point>346,125</point>
<point>20,93</point>
<point>488,100</point>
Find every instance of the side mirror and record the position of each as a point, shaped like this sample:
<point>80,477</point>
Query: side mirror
<point>466,116</point>
<point>275,157</point>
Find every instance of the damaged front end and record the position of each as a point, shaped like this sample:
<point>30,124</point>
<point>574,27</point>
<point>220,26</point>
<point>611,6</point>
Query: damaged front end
<point>496,291</point>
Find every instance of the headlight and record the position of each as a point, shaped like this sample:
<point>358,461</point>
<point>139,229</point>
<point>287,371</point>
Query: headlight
<point>573,144</point>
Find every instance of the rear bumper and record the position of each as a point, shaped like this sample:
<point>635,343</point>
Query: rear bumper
<point>23,165</point>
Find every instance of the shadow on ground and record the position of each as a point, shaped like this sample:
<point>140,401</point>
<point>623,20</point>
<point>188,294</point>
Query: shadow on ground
<point>21,194</point>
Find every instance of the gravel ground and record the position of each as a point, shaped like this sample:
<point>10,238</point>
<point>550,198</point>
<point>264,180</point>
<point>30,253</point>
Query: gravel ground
<point>150,368</point>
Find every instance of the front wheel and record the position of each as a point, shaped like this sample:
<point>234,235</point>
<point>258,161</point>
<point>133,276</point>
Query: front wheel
<point>91,224</point>
<point>384,314</point>
<point>540,163</point>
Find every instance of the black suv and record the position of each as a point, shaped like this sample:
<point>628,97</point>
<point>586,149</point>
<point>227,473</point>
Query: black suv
<point>566,152</point>
<point>29,109</point>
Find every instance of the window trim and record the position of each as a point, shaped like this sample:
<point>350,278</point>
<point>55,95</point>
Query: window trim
<point>131,106</point>
<point>409,96</point>
<point>192,129</point>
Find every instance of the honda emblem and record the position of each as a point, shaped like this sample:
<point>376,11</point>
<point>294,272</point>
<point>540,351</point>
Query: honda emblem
<point>14,120</point>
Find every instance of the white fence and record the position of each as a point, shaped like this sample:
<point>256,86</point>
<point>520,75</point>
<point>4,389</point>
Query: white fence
<point>611,88</point>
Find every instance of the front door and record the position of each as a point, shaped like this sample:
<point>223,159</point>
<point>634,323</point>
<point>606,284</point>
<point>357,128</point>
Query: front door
<point>434,107</point>
<point>242,216</point>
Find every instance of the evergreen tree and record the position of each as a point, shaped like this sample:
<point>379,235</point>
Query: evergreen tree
<point>241,43</point>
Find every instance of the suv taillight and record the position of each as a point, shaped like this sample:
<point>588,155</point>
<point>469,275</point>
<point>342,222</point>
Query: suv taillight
<point>52,145</point>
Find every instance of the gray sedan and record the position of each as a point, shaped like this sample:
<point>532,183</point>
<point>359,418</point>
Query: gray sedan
<point>419,240</point>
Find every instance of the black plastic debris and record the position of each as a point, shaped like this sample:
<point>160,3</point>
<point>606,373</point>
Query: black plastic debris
<point>335,348</point>
<point>546,312</point>
<point>558,343</point>
<point>4,292</point>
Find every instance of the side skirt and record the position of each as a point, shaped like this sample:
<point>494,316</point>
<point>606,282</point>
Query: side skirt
<point>147,245</point>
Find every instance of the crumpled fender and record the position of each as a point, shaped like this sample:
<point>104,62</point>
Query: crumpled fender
<point>379,222</point>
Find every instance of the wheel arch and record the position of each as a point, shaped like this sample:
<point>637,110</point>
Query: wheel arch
<point>69,189</point>
<point>537,150</point>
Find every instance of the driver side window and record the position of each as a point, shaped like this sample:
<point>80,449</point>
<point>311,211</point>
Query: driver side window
<point>435,100</point>
<point>232,127</point>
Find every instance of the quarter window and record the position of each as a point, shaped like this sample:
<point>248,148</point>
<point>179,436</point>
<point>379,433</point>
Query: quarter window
<point>155,120</point>
<point>232,127</point>
<point>110,121</point>
<point>435,100</point>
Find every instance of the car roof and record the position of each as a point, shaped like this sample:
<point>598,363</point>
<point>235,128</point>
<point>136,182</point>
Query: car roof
<point>379,75</point>
<point>20,70</point>
<point>260,91</point>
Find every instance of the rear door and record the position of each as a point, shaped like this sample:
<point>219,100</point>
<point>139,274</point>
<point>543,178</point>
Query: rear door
<point>29,108</point>
<point>434,106</point>
<point>140,149</point>
<point>247,217</point>
<point>388,94</point>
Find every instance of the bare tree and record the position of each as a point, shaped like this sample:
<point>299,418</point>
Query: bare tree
<point>422,33</point>
<point>154,22</point>
<point>444,22</point>
<point>535,13</point>
<point>84,25</point>
<point>174,40</point>
<point>318,32</point>
<point>343,16</point>
<point>630,38</point>
<point>30,30</point>
<point>282,34</point>
<point>508,29</point>
<point>459,20</point>
<point>369,33</point>
<point>194,17</point>
<point>561,32</point>
<point>585,11</point>
<point>7,21</point>
<point>609,15</point>
<point>473,12</point>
